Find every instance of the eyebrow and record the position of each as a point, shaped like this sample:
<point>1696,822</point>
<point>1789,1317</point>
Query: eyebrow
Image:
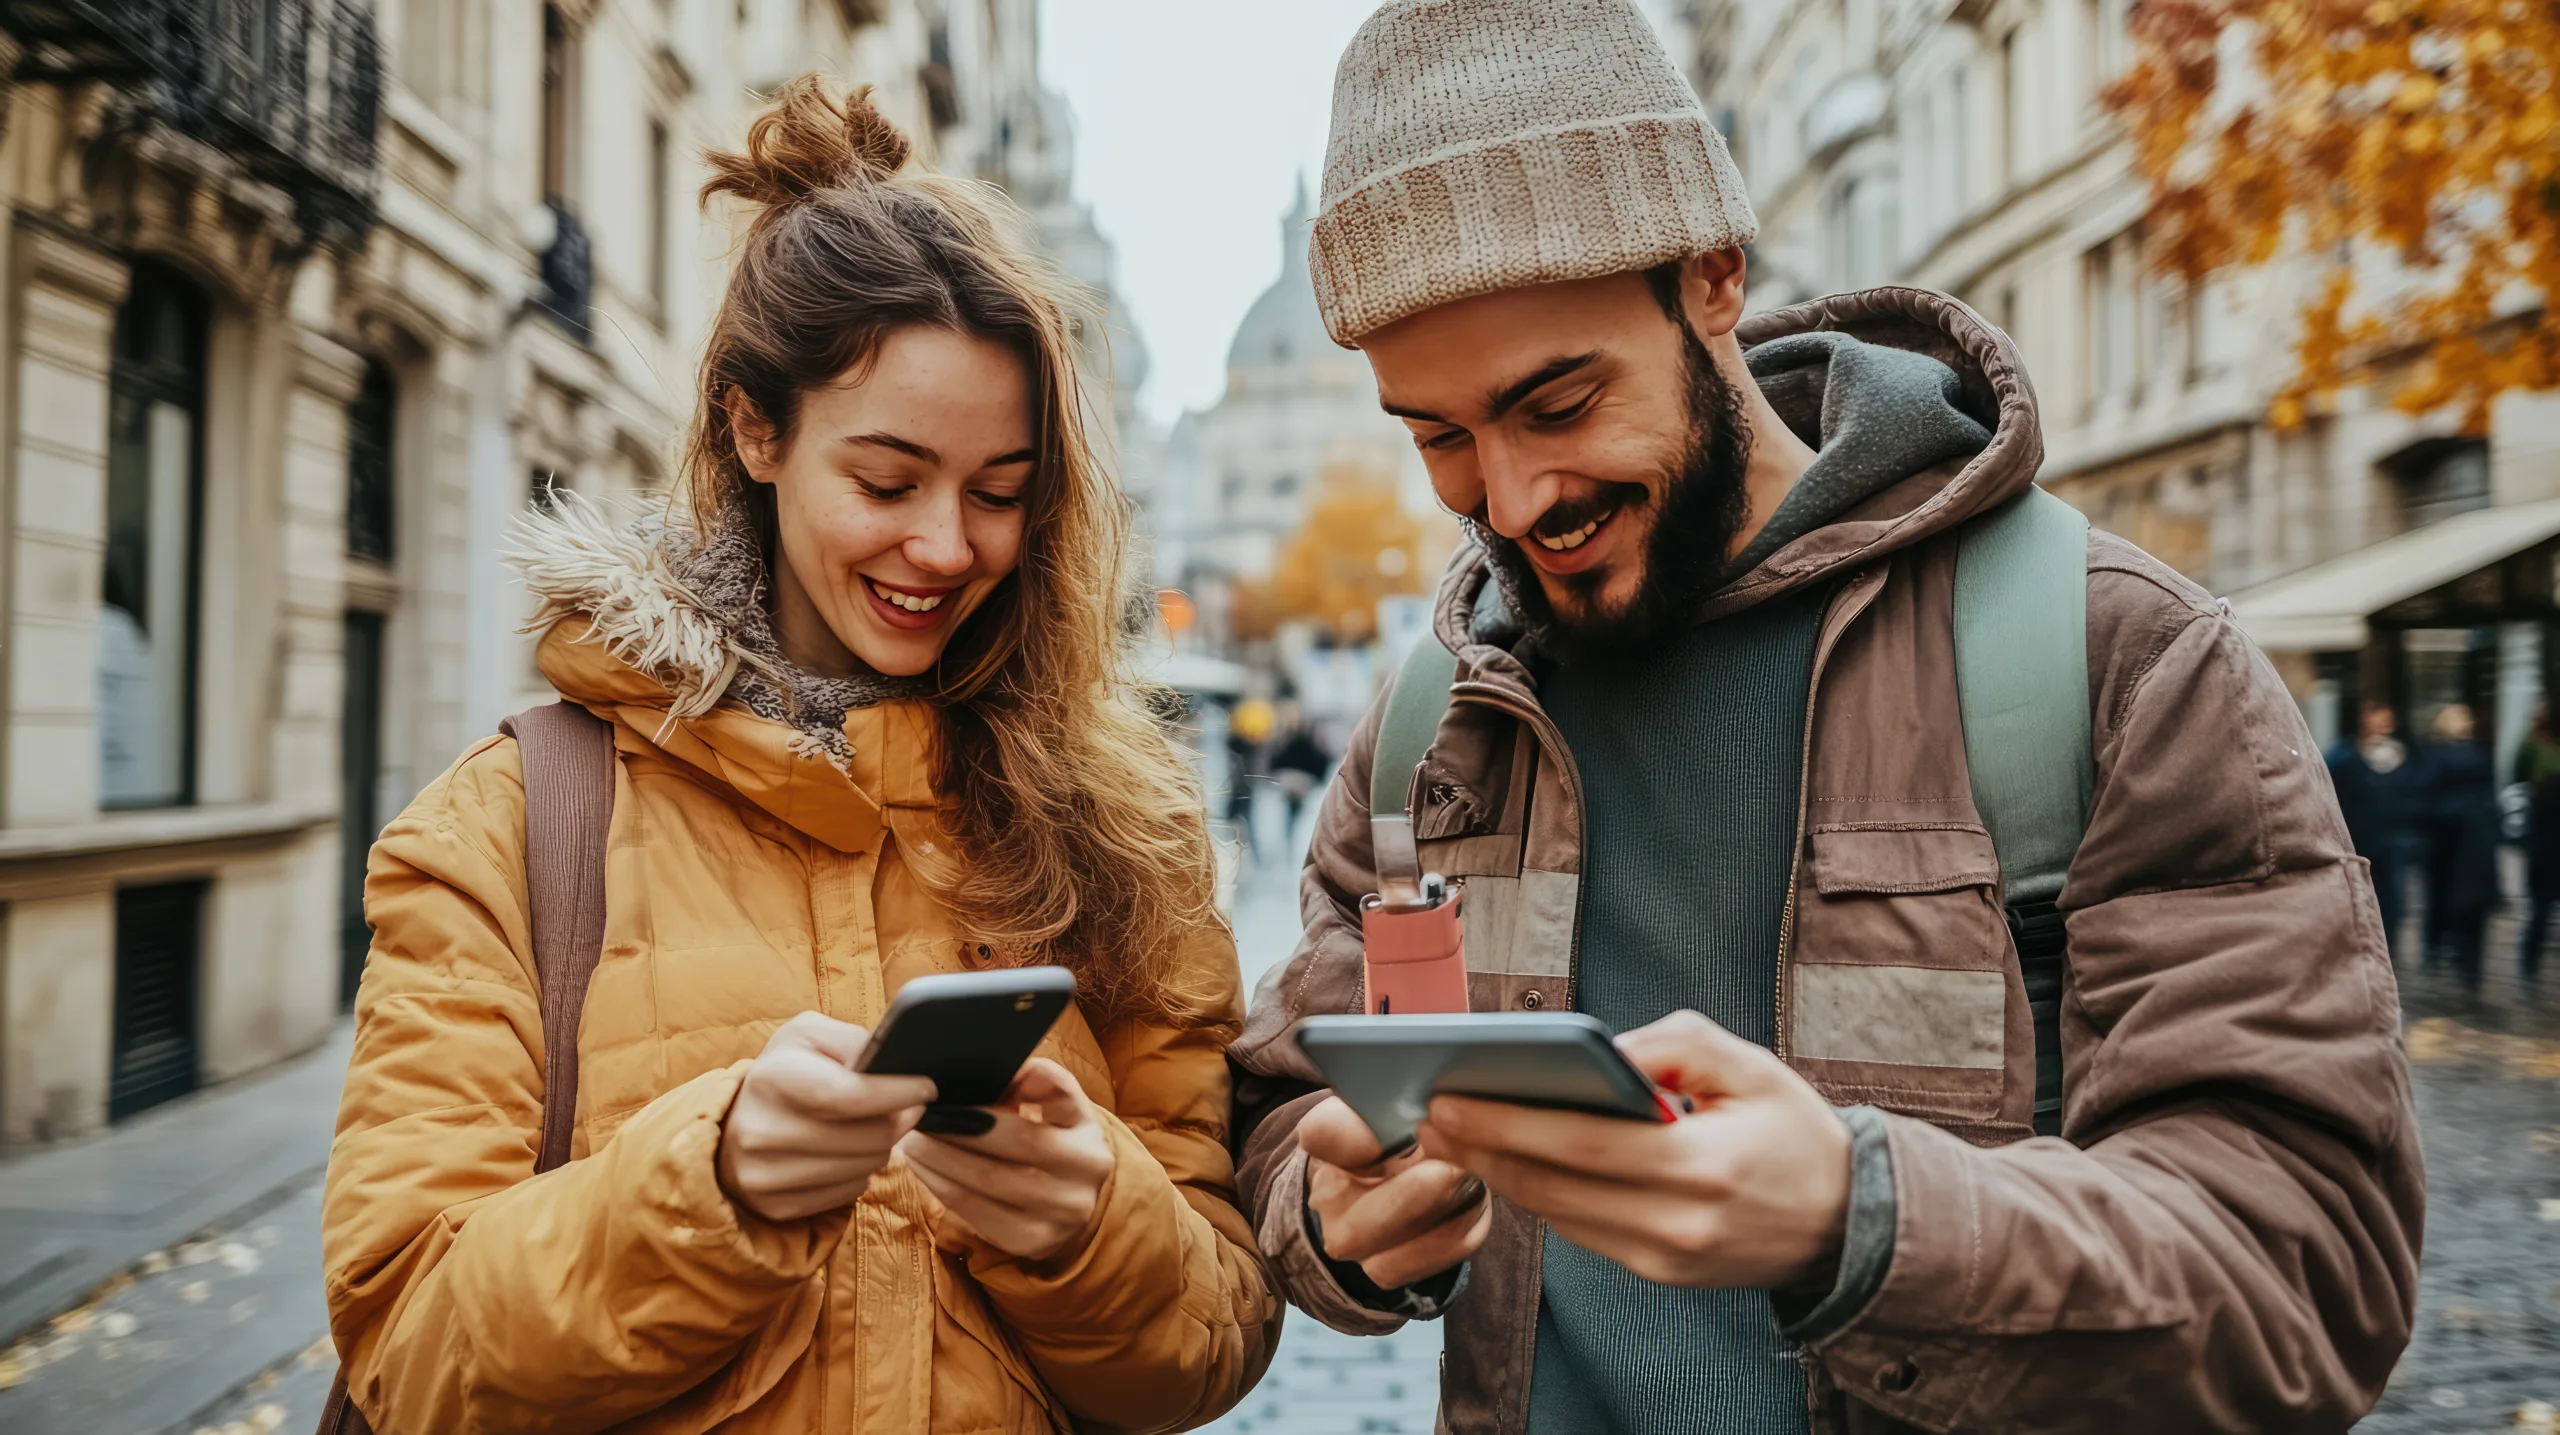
<point>1503,400</point>
<point>918,451</point>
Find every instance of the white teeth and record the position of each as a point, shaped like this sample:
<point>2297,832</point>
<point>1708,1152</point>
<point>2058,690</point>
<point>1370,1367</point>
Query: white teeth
<point>1572,540</point>
<point>908,601</point>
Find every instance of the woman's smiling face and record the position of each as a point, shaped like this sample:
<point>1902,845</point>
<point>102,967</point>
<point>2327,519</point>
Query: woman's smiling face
<point>899,497</point>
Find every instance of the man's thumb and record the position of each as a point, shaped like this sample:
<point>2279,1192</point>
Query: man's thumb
<point>1686,1053</point>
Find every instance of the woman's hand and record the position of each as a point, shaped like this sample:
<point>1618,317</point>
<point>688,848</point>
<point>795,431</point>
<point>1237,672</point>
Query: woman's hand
<point>808,1131</point>
<point>1029,1187</point>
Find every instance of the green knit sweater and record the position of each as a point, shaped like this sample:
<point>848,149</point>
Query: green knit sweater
<point>1681,903</point>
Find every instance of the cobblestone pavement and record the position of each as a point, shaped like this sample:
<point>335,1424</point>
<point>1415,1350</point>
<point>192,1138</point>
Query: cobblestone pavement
<point>210,1322</point>
<point>2487,1072</point>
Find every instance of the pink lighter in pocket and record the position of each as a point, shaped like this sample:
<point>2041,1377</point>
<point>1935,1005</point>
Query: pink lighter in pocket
<point>1413,948</point>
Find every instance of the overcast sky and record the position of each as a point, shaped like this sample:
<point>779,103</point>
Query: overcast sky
<point>1194,119</point>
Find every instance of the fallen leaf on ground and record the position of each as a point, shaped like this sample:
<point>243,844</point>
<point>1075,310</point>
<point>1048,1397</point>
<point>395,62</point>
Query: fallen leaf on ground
<point>194,1292</point>
<point>2540,1417</point>
<point>116,1325</point>
<point>11,1372</point>
<point>2550,1209</point>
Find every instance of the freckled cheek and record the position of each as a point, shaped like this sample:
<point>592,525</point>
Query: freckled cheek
<point>850,535</point>
<point>995,544</point>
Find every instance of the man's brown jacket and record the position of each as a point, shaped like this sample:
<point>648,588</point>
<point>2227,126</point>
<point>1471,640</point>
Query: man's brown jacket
<point>2225,1236</point>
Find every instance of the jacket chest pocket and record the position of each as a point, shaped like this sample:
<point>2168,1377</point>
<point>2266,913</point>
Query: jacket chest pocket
<point>1902,992</point>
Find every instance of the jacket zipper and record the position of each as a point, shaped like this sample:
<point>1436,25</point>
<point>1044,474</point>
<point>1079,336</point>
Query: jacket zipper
<point>1845,610</point>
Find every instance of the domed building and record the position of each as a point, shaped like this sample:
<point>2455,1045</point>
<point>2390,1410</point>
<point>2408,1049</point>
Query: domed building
<point>1239,473</point>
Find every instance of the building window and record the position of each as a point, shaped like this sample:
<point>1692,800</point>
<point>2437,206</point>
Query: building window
<point>659,220</point>
<point>159,938</point>
<point>2109,279</point>
<point>369,479</point>
<point>147,616</point>
<point>2439,478</point>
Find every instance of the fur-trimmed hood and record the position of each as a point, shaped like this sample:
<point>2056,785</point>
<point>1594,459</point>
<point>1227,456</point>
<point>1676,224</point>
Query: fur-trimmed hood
<point>578,562</point>
<point>665,633</point>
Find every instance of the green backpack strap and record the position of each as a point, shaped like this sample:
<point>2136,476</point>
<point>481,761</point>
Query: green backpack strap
<point>2022,680</point>
<point>1405,735</point>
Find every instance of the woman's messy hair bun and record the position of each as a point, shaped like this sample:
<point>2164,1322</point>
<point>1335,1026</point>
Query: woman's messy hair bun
<point>806,143</point>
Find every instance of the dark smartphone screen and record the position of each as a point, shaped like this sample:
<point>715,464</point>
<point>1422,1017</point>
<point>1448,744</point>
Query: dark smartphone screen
<point>969,1032</point>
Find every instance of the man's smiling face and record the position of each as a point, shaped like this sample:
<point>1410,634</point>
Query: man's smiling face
<point>1584,425</point>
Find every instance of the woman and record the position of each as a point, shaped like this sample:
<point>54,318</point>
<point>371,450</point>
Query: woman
<point>871,722</point>
<point>2462,857</point>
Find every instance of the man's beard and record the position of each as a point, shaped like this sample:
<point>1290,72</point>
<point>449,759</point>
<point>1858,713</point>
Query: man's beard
<point>1704,500</point>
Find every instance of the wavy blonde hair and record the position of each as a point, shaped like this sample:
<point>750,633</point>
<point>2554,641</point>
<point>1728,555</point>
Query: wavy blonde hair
<point>1079,824</point>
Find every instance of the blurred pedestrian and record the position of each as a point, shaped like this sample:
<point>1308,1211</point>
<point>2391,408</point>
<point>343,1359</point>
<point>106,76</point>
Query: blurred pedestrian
<point>864,716</point>
<point>2537,768</point>
<point>1299,765</point>
<point>2461,799</point>
<point>2379,795</point>
<point>1248,732</point>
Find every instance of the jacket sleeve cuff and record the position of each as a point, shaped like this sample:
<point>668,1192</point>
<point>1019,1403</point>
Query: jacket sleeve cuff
<point>1866,1248</point>
<point>1306,1276</point>
<point>685,1188</point>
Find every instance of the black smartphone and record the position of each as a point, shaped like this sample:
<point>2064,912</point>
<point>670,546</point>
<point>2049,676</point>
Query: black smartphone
<point>1387,1068</point>
<point>970,1032</point>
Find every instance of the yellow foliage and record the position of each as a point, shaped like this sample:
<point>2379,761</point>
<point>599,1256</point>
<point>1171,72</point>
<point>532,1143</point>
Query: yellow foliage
<point>2419,129</point>
<point>1358,545</point>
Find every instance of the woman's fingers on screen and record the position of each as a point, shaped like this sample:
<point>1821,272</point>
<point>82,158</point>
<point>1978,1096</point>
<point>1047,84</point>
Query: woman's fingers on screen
<point>839,1041</point>
<point>829,1092</point>
<point>1049,1088</point>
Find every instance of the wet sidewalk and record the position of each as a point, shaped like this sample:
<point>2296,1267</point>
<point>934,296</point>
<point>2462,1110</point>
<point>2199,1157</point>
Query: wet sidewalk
<point>156,1273</point>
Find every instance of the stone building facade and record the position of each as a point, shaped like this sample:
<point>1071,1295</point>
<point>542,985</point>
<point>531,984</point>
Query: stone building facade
<point>1238,474</point>
<point>1960,145</point>
<point>306,301</point>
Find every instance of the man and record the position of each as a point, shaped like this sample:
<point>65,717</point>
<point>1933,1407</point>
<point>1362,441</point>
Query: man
<point>1702,774</point>
<point>2379,794</point>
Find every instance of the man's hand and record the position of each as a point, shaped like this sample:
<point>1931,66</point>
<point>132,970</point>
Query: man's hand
<point>1401,1221</point>
<point>1029,1187</point>
<point>1751,1190</point>
<point>807,1131</point>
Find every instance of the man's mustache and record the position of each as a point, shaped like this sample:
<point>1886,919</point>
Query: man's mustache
<point>1566,515</point>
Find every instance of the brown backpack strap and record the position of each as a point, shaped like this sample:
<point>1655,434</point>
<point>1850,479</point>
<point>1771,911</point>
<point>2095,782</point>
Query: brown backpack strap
<point>568,807</point>
<point>568,759</point>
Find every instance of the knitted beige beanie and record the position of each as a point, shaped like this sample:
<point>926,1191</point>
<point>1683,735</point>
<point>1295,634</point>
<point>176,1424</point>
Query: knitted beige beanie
<point>1494,144</point>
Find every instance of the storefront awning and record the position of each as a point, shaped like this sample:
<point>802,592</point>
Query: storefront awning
<point>2323,608</point>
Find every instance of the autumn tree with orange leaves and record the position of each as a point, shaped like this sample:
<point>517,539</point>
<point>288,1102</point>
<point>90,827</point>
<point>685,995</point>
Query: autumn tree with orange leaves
<point>1358,545</point>
<point>2421,131</point>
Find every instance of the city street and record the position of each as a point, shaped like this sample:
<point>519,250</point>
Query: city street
<point>165,1277</point>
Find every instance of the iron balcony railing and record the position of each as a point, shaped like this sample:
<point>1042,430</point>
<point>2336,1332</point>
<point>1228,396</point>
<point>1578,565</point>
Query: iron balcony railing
<point>289,88</point>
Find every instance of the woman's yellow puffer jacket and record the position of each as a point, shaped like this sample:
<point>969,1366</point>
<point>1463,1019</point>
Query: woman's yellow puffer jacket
<point>747,879</point>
